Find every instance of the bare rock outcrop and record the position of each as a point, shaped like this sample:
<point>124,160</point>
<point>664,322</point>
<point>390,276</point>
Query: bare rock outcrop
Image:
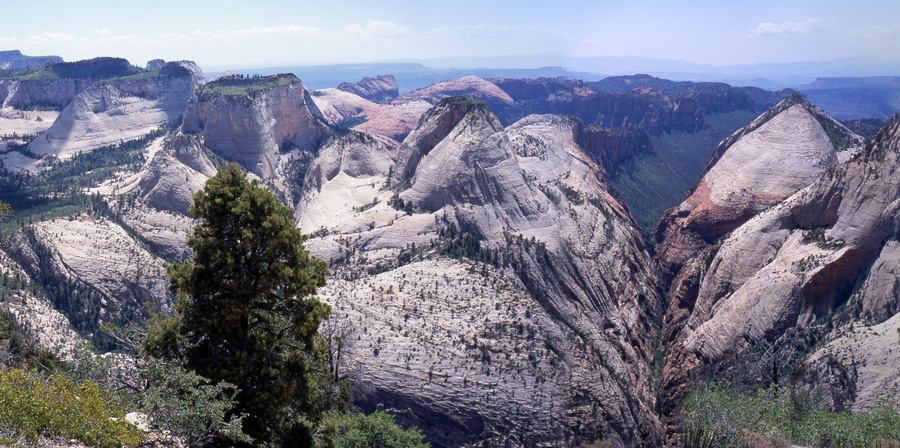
<point>467,86</point>
<point>92,271</point>
<point>613,146</point>
<point>175,172</point>
<point>782,151</point>
<point>560,258</point>
<point>35,316</point>
<point>788,269</point>
<point>37,93</point>
<point>117,110</point>
<point>381,89</point>
<point>155,64</point>
<point>391,121</point>
<point>253,121</point>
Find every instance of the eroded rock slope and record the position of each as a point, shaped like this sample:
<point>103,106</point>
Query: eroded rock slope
<point>795,283</point>
<point>561,276</point>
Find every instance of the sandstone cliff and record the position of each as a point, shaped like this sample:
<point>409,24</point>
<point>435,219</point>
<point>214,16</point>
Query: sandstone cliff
<point>613,146</point>
<point>46,94</point>
<point>253,121</point>
<point>381,89</point>
<point>391,121</point>
<point>744,274</point>
<point>112,111</point>
<point>560,259</point>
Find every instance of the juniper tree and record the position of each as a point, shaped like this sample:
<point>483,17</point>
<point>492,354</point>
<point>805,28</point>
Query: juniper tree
<point>248,312</point>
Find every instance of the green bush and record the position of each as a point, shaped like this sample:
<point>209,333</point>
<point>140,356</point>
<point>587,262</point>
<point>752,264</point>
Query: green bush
<point>33,407</point>
<point>188,406</point>
<point>725,415</point>
<point>376,430</point>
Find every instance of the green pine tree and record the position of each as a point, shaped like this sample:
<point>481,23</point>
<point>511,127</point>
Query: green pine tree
<point>248,312</point>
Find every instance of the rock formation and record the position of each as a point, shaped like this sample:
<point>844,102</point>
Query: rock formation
<point>174,173</point>
<point>110,112</point>
<point>46,94</point>
<point>742,272</point>
<point>109,276</point>
<point>15,60</point>
<point>252,121</point>
<point>468,86</point>
<point>390,121</point>
<point>562,261</point>
<point>613,146</point>
<point>381,89</point>
<point>155,64</point>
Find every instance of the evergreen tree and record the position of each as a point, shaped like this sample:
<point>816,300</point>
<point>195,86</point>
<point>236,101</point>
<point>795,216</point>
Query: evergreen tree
<point>247,307</point>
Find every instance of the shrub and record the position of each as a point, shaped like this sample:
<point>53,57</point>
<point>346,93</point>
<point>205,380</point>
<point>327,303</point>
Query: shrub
<point>32,407</point>
<point>188,407</point>
<point>376,430</point>
<point>723,414</point>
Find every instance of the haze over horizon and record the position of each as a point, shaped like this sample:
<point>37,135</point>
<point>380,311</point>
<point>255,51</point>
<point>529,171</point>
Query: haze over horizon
<point>242,34</point>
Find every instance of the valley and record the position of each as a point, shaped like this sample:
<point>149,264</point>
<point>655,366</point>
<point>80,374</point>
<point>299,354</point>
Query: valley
<point>534,262</point>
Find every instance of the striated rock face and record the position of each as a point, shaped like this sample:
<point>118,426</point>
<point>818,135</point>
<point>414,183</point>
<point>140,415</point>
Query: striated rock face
<point>29,94</point>
<point>779,276</point>
<point>155,64</point>
<point>36,316</point>
<point>782,151</point>
<point>381,89</point>
<point>467,86</point>
<point>564,263</point>
<point>175,172</point>
<point>393,122</point>
<point>84,252</point>
<point>253,127</point>
<point>110,112</point>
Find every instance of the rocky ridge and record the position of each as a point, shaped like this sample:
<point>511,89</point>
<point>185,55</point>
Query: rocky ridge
<point>525,197</point>
<point>785,276</point>
<point>392,122</point>
<point>15,60</point>
<point>381,89</point>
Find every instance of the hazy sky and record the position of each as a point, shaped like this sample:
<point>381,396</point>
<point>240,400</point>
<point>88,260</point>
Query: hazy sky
<point>244,33</point>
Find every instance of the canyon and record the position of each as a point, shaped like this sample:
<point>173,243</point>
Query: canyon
<point>513,262</point>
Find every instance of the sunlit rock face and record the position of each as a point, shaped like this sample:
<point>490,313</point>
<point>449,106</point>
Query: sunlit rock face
<point>111,112</point>
<point>380,89</point>
<point>433,334</point>
<point>254,127</point>
<point>800,277</point>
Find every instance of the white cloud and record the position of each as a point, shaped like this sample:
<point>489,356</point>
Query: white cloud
<point>806,27</point>
<point>291,31</point>
<point>50,38</point>
<point>374,29</point>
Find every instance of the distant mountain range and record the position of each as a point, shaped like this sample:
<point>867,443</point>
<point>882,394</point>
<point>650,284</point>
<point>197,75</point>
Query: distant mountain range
<point>773,76</point>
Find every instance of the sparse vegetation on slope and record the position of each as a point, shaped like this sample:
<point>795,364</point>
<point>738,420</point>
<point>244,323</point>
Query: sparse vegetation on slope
<point>239,85</point>
<point>727,415</point>
<point>96,68</point>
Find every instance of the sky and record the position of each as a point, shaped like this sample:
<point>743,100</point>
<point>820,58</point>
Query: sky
<point>260,33</point>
